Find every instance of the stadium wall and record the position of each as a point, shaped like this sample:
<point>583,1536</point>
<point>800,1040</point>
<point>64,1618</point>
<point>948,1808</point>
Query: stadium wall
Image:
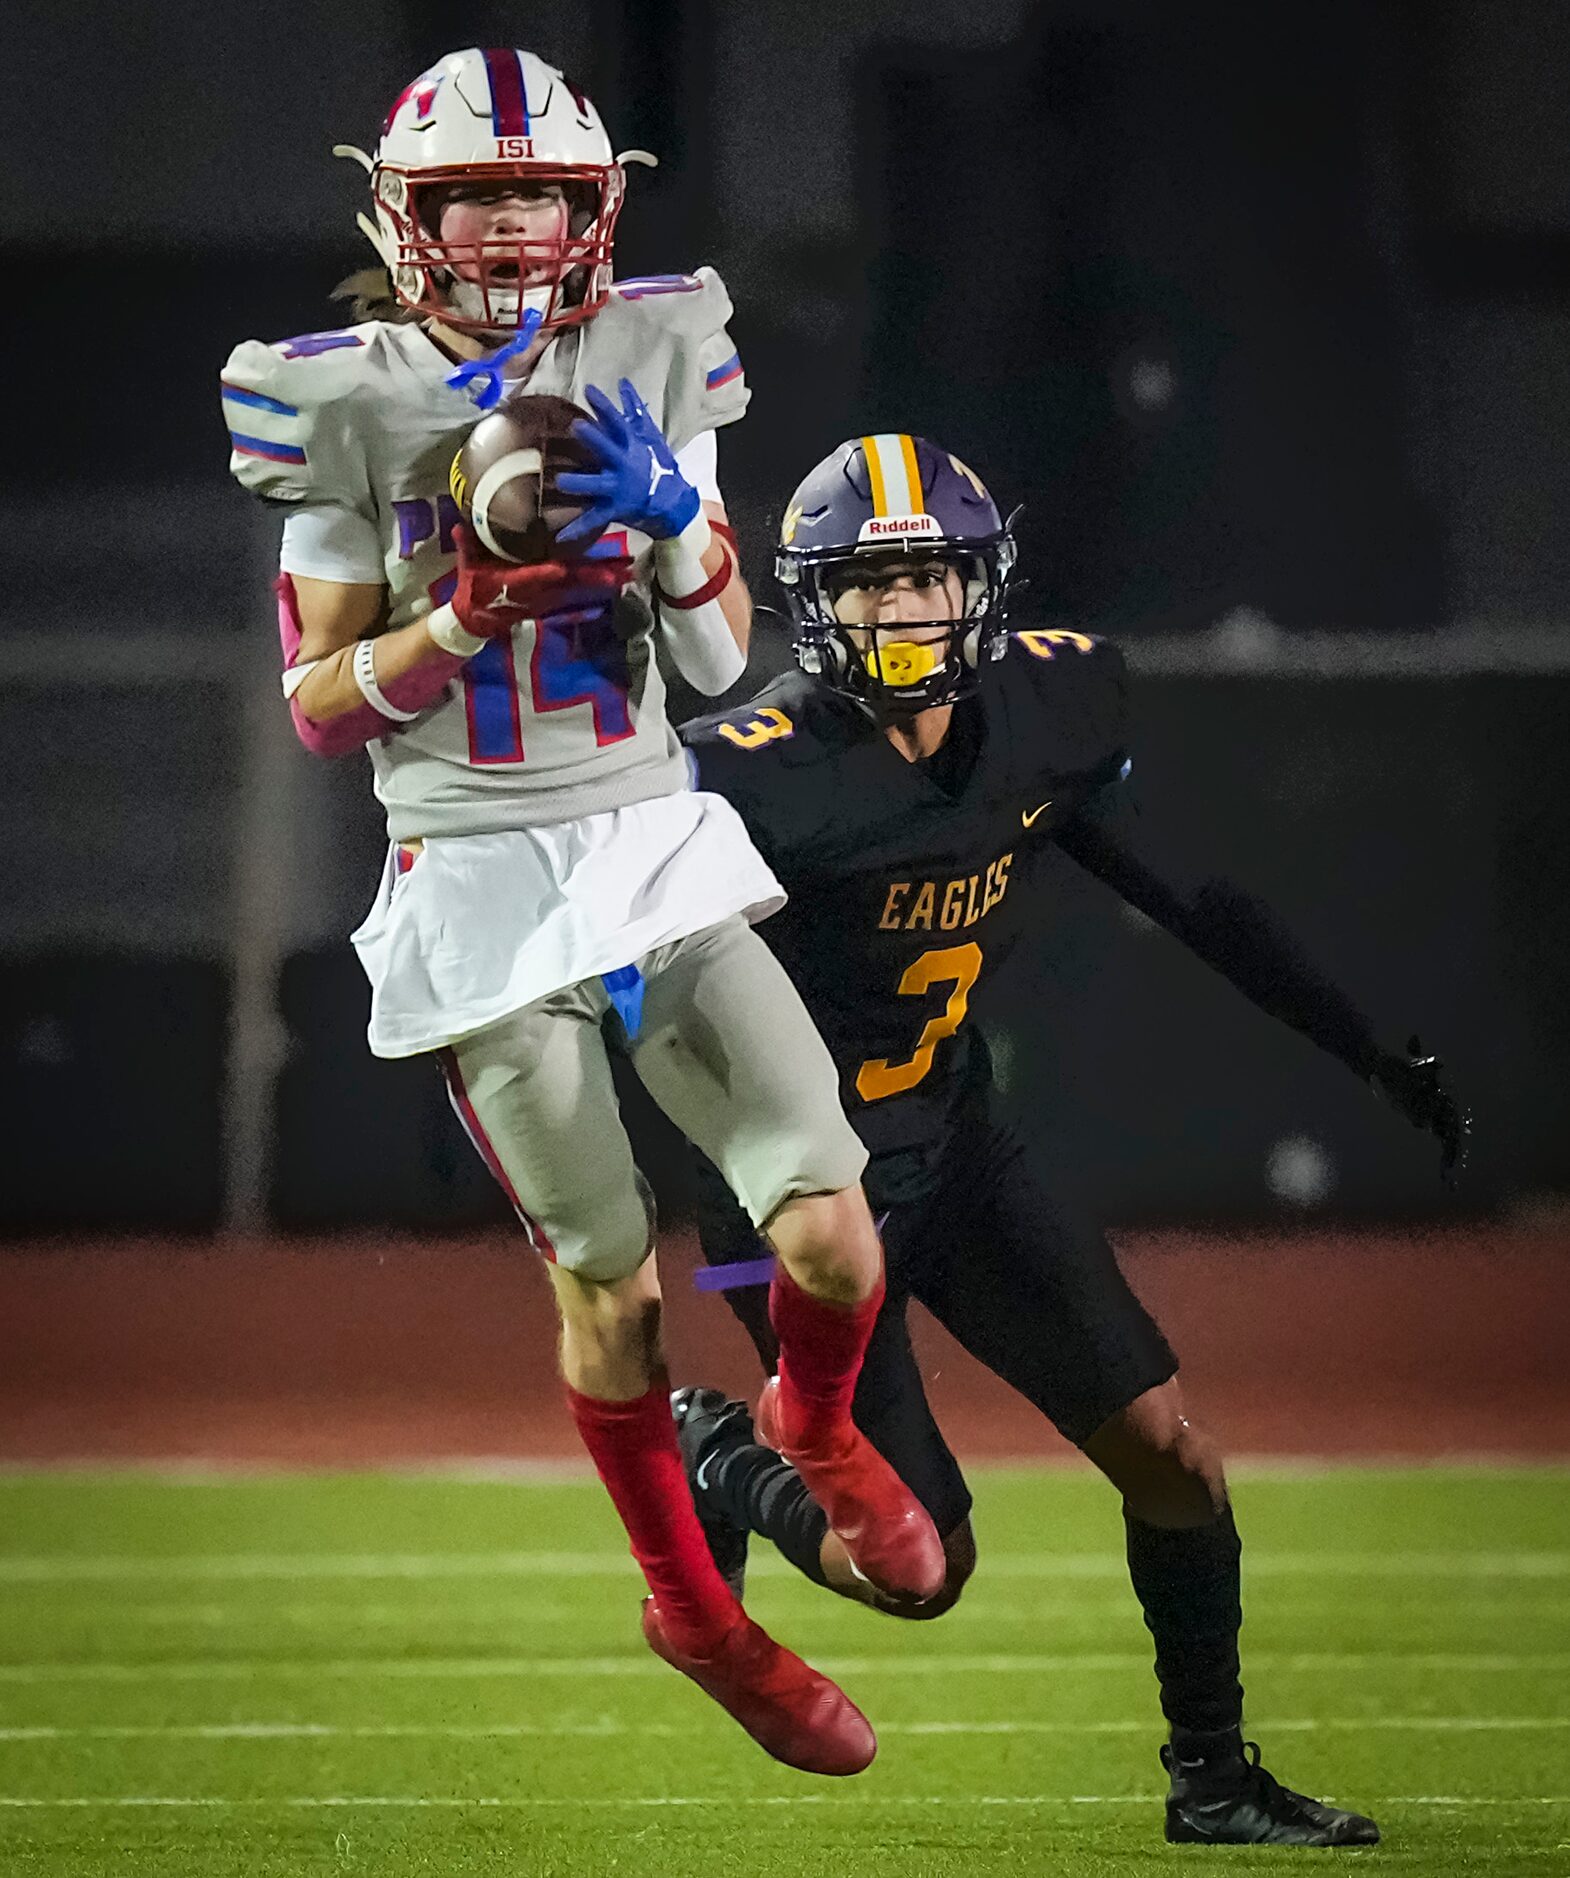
<point>1413,830</point>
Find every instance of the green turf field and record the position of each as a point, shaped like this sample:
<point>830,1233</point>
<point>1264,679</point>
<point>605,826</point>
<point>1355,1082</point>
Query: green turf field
<point>379,1675</point>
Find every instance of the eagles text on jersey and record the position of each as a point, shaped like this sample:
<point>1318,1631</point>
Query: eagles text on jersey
<point>904,896</point>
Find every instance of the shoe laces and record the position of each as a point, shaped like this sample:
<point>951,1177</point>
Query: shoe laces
<point>1266,1787</point>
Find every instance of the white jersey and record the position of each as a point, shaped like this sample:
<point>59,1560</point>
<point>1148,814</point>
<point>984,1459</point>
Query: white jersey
<point>561,835</point>
<point>355,431</point>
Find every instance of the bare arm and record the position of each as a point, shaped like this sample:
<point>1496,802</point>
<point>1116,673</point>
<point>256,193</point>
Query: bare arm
<point>333,618</point>
<point>347,688</point>
<point>735,599</point>
<point>704,608</point>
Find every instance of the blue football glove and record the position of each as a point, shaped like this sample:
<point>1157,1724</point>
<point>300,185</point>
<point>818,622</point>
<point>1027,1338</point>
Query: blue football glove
<point>637,483</point>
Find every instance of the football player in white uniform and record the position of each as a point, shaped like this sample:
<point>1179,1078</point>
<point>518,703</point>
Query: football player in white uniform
<point>551,869</point>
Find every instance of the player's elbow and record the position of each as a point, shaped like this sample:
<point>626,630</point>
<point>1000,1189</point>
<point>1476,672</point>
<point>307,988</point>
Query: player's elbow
<point>333,736</point>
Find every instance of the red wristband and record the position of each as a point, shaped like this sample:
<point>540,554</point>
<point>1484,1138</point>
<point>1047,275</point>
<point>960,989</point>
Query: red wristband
<point>711,589</point>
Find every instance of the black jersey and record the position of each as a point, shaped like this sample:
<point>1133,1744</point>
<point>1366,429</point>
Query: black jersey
<point>909,882</point>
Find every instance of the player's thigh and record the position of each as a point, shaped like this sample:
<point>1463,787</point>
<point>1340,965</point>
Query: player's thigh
<point>1031,1287</point>
<point>534,1093</point>
<point>728,1051</point>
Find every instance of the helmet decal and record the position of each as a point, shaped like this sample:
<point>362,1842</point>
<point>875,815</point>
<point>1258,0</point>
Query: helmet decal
<point>509,93</point>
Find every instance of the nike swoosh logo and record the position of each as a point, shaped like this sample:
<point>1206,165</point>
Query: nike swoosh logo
<point>1031,816</point>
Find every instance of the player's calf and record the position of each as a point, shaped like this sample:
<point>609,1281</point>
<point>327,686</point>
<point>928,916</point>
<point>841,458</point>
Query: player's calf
<point>619,1398</point>
<point>828,1242</point>
<point>740,1486</point>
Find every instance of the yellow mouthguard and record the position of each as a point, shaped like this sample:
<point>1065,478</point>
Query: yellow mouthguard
<point>902,662</point>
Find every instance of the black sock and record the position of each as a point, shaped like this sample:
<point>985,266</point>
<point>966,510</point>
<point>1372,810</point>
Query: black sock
<point>1186,1580</point>
<point>755,1488</point>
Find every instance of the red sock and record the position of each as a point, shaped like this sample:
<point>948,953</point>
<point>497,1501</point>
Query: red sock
<point>821,1347</point>
<point>633,1447</point>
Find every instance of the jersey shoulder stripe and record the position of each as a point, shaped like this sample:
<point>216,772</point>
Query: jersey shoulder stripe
<point>285,407</point>
<point>652,286</point>
<point>669,334</point>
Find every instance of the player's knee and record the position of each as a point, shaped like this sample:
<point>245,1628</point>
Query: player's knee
<point>609,1242</point>
<point>831,1235</point>
<point>959,1551</point>
<point>1167,1468</point>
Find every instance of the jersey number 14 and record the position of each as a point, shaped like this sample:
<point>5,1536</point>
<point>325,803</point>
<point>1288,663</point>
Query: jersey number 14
<point>577,659</point>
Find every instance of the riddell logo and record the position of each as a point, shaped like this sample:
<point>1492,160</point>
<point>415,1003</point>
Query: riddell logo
<point>880,526</point>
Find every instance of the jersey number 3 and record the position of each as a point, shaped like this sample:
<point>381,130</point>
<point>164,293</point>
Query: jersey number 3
<point>959,966</point>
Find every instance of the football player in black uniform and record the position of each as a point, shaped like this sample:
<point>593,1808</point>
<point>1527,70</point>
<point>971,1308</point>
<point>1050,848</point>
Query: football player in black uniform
<point>913,786</point>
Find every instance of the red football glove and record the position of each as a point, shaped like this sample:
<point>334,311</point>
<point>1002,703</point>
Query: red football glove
<point>492,597</point>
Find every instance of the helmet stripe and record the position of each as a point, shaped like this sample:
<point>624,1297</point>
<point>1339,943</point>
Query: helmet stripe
<point>509,95</point>
<point>875,476</point>
<point>891,470</point>
<point>907,448</point>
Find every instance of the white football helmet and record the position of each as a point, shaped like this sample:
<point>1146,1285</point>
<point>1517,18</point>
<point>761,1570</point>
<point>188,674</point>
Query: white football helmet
<point>493,116</point>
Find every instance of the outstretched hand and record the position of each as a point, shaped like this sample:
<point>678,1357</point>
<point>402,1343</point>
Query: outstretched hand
<point>637,483</point>
<point>1417,1086</point>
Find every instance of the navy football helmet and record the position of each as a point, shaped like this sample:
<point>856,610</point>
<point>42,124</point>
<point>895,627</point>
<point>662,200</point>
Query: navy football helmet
<point>877,500</point>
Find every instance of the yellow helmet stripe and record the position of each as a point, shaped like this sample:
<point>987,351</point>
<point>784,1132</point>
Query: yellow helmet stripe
<point>880,495</point>
<point>893,474</point>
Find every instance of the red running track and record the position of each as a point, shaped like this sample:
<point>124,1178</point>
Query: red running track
<point>356,1351</point>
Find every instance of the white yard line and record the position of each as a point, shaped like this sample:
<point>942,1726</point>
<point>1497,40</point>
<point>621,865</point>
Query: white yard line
<point>525,1611</point>
<point>580,1803</point>
<point>932,1664</point>
<point>70,1568</point>
<point>503,1731</point>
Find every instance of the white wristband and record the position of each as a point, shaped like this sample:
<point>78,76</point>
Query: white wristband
<point>446,632</point>
<point>678,561</point>
<point>365,678</point>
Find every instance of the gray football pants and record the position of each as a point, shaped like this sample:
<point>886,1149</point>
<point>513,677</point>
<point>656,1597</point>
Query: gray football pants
<point>727,1050</point>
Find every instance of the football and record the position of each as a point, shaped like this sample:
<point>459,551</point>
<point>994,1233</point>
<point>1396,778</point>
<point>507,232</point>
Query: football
<point>504,477</point>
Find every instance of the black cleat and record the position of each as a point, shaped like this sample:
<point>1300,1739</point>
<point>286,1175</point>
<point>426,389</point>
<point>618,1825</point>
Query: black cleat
<point>707,1423</point>
<point>1232,1800</point>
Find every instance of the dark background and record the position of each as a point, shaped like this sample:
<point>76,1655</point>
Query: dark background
<point>1261,312</point>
